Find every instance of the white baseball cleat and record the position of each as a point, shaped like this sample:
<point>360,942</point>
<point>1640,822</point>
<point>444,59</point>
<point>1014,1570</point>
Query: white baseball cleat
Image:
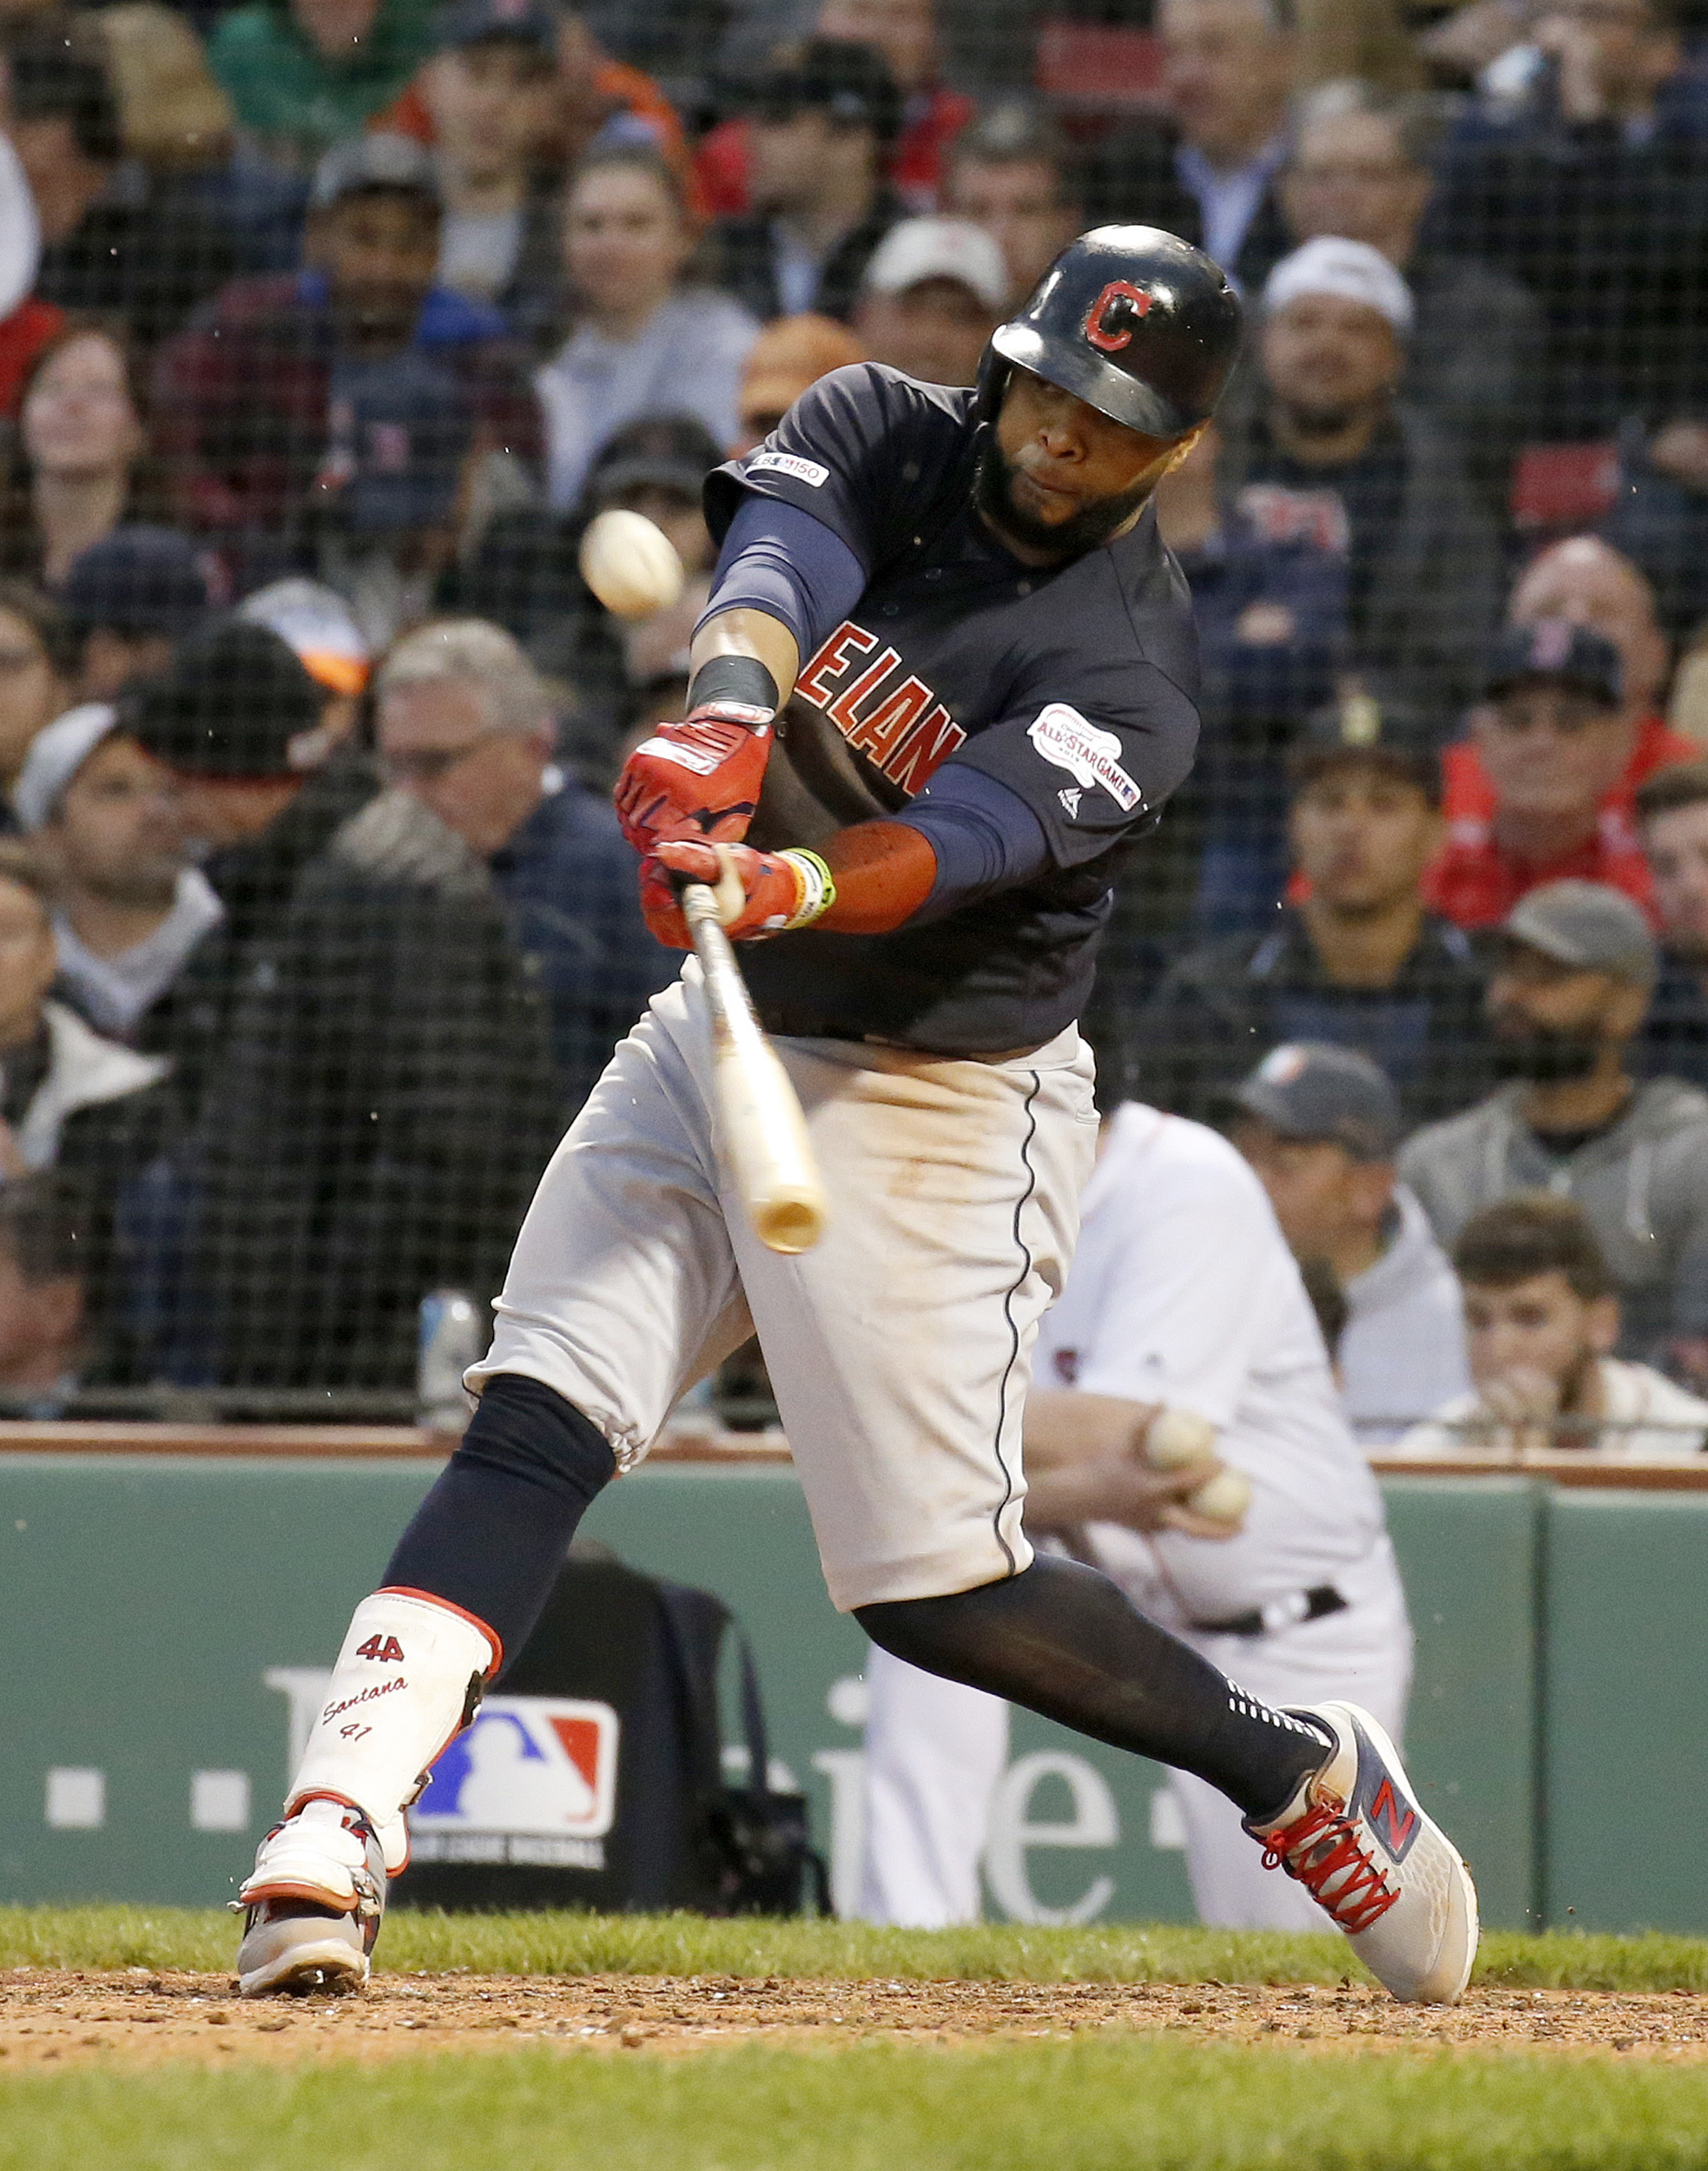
<point>1355,1839</point>
<point>312,1906</point>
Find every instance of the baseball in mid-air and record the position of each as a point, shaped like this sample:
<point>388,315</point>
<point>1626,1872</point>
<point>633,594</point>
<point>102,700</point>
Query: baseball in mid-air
<point>631,565</point>
<point>1175,1437</point>
<point>1223,1498</point>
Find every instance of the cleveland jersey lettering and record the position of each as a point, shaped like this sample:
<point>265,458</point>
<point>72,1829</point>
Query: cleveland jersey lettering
<point>880,707</point>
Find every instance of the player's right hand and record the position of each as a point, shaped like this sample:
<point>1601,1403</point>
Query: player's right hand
<point>697,779</point>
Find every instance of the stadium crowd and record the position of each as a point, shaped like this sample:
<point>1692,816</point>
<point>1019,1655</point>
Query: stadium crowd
<point>327,326</point>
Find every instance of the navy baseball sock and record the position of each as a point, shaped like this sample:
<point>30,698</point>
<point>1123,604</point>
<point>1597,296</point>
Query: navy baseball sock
<point>1061,1639</point>
<point>492,1534</point>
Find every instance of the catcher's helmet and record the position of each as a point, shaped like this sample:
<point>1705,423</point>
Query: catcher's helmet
<point>1134,321</point>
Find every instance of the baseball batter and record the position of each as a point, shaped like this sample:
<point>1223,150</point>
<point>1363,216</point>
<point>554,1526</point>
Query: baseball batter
<point>945,680</point>
<point>1183,1296</point>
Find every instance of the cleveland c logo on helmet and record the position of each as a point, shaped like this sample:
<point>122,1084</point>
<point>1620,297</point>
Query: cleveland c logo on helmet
<point>1114,316</point>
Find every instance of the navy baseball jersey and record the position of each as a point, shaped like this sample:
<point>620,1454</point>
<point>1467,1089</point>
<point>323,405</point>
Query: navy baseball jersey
<point>1072,686</point>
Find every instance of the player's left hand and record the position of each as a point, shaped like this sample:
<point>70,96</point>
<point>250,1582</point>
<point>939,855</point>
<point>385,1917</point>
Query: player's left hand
<point>758,893</point>
<point>698,778</point>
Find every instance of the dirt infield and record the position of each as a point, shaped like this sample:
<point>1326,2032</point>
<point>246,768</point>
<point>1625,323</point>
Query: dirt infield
<point>50,2016</point>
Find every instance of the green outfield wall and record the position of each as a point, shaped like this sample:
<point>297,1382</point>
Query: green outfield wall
<point>165,1623</point>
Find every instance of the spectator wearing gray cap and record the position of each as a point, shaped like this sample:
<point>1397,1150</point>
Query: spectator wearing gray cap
<point>1322,447</point>
<point>1570,985</point>
<point>129,907</point>
<point>282,397</point>
<point>1321,1125</point>
<point>1534,795</point>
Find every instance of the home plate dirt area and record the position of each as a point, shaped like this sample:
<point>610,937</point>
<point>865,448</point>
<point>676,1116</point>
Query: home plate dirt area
<point>58,2017</point>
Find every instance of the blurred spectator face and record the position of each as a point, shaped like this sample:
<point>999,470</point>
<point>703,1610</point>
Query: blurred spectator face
<point>797,159</point>
<point>1322,1195</point>
<point>29,961</point>
<point>625,241</point>
<point>380,249</point>
<point>936,330</point>
<point>41,1323</point>
<point>1588,583</point>
<point>1615,48</point>
<point>1551,751</point>
<point>333,27</point>
<point>79,420</point>
<point>1361,839</point>
<point>1229,73</point>
<point>1349,175</point>
<point>441,743</point>
<point>1327,359</point>
<point>904,31</point>
<point>1540,1325</point>
<point>64,179</point>
<point>216,812</point>
<point>786,358</point>
<point>31,694</point>
<point>115,833</point>
<point>112,658</point>
<point>1550,1022</point>
<point>1020,205</point>
<point>1676,843</point>
<point>491,106</point>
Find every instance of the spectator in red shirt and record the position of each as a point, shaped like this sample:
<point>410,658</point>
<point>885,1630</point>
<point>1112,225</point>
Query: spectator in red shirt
<point>1552,747</point>
<point>1589,583</point>
<point>1584,583</point>
<point>905,32</point>
<point>26,325</point>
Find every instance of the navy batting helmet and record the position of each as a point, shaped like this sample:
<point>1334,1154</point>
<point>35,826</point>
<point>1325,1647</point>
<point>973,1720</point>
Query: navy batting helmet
<point>1136,322</point>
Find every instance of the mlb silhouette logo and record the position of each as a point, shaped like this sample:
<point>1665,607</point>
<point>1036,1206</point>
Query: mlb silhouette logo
<point>541,1766</point>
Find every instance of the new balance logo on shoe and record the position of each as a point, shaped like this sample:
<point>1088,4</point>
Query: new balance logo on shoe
<point>1393,1819</point>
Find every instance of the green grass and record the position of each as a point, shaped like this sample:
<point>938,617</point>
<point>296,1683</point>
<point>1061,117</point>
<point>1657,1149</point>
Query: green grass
<point>688,1945</point>
<point>1089,2106</point>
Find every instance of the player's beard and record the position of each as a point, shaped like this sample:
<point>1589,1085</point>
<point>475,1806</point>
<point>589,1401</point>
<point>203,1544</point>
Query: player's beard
<point>1087,530</point>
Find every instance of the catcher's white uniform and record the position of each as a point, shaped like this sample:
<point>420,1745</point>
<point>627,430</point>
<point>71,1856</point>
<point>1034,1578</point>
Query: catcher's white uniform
<point>1182,1291</point>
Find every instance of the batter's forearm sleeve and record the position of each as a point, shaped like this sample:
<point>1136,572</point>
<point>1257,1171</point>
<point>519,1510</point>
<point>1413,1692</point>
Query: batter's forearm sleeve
<point>984,837</point>
<point>779,560</point>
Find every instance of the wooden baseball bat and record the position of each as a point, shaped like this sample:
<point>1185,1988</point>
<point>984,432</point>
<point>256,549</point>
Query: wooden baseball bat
<point>764,1131</point>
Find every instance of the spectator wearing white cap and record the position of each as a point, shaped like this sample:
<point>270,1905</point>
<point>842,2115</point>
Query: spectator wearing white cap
<point>1326,450</point>
<point>129,907</point>
<point>933,294</point>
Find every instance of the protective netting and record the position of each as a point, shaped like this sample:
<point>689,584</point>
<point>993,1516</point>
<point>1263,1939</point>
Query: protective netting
<point>322,321</point>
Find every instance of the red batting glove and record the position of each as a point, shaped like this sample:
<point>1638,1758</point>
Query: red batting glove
<point>698,778</point>
<point>779,890</point>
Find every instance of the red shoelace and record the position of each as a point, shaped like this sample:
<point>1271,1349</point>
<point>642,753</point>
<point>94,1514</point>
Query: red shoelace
<point>1316,1847</point>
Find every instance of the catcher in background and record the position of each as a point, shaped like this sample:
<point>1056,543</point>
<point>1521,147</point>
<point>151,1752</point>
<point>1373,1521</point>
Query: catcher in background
<point>1183,1297</point>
